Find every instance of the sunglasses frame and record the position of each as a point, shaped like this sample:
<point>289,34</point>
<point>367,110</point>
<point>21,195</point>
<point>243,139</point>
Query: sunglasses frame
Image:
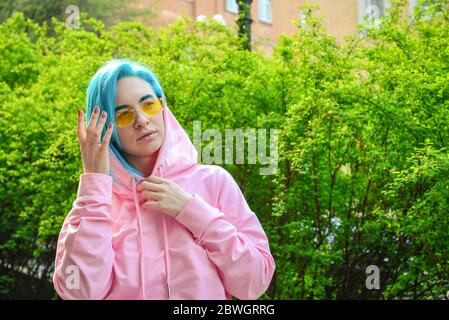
<point>135,113</point>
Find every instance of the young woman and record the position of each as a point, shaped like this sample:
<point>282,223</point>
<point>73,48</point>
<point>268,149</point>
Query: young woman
<point>148,221</point>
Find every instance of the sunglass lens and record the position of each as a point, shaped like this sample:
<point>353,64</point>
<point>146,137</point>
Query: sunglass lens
<point>152,108</point>
<point>124,118</point>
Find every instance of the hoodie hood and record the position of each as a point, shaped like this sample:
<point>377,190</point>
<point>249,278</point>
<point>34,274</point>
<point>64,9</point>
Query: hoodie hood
<point>175,155</point>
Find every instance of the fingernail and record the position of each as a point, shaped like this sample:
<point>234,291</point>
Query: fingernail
<point>103,114</point>
<point>96,109</point>
<point>110,126</point>
<point>79,113</point>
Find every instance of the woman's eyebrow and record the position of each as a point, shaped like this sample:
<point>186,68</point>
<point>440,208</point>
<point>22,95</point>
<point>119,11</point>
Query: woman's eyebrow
<point>122,106</point>
<point>146,97</point>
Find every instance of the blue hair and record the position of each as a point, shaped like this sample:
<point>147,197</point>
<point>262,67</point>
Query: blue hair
<point>102,92</point>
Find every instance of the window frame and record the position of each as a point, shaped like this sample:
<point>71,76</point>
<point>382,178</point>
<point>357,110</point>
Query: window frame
<point>362,10</point>
<point>269,17</point>
<point>230,6</point>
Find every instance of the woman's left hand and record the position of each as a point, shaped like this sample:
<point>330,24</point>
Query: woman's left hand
<point>167,196</point>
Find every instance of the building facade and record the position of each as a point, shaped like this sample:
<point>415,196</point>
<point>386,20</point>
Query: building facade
<point>271,18</point>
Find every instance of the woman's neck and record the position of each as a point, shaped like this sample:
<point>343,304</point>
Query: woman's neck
<point>143,164</point>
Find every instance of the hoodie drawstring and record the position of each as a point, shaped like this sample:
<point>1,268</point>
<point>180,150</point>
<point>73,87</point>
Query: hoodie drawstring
<point>142,251</point>
<point>166,253</point>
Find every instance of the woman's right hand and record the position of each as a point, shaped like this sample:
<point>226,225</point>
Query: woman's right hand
<point>95,155</point>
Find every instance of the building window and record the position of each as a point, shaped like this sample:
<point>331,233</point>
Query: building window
<point>372,10</point>
<point>232,6</point>
<point>265,10</point>
<point>303,18</point>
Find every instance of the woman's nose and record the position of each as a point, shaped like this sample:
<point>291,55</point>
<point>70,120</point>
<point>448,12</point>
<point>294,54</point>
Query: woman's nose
<point>141,118</point>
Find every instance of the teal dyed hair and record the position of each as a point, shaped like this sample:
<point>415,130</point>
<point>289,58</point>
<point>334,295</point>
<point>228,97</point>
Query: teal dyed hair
<point>101,92</point>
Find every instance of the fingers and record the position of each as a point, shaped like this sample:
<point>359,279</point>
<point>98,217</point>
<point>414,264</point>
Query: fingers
<point>81,130</point>
<point>101,123</point>
<point>95,127</point>
<point>93,120</point>
<point>152,195</point>
<point>145,185</point>
<point>107,136</point>
<point>155,179</point>
<point>152,204</point>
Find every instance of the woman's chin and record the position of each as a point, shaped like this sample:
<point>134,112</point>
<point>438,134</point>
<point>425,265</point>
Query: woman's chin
<point>148,148</point>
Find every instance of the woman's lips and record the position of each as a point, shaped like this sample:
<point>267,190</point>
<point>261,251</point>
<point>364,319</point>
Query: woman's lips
<point>148,136</point>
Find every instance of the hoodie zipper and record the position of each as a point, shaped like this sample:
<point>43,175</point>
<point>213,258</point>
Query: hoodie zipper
<point>141,253</point>
<point>166,249</point>
<point>142,250</point>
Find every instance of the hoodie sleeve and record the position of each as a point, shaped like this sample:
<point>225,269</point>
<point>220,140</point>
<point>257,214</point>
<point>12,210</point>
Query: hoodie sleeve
<point>84,255</point>
<point>233,238</point>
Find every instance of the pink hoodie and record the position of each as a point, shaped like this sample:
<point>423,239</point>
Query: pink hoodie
<point>214,248</point>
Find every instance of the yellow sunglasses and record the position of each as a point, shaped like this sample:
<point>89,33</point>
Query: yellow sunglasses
<point>126,115</point>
